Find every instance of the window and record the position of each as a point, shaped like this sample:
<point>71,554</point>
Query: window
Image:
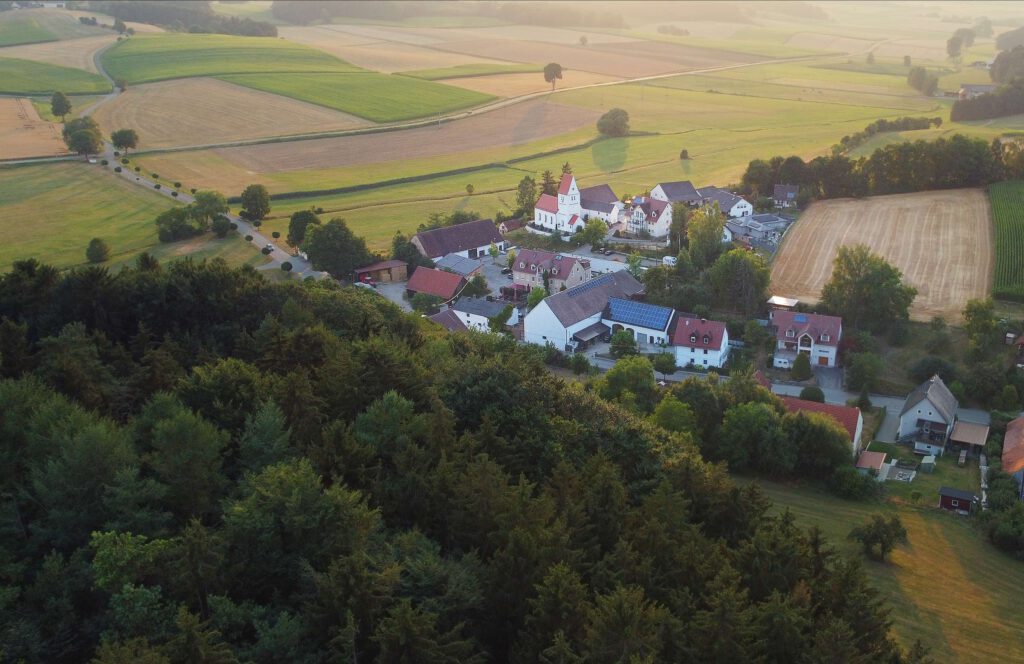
<point>705,361</point>
<point>707,339</point>
<point>954,503</point>
<point>693,338</point>
<point>826,337</point>
<point>705,352</point>
<point>521,265</point>
<point>790,333</point>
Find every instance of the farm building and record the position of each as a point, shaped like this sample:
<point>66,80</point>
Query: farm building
<point>649,216</point>
<point>784,195</point>
<point>1013,451</point>
<point>969,436</point>
<point>816,335</point>
<point>682,191</point>
<point>510,225</point>
<point>572,318</point>
<point>472,240</point>
<point>873,463</point>
<point>447,319</point>
<point>383,272</point>
<point>779,302</point>
<point>476,313</point>
<point>849,418</point>
<point>957,500</point>
<point>438,283</point>
<point>563,271</point>
<point>700,342</point>
<point>729,203</point>
<point>928,416</point>
<point>648,324</point>
<point>972,90</point>
<point>460,265</point>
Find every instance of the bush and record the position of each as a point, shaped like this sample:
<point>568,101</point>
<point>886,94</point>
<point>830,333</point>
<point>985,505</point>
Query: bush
<point>125,161</point>
<point>156,186</point>
<point>155,176</point>
<point>193,190</point>
<point>103,162</point>
<point>234,226</point>
<point>266,251</point>
<point>684,154</point>
<point>812,393</point>
<point>579,363</point>
<point>276,235</point>
<point>138,169</point>
<point>801,367</point>
<point>319,210</point>
<point>220,225</point>
<point>173,193</point>
<point>97,251</point>
<point>928,366</point>
<point>117,169</point>
<point>248,238</point>
<point>847,483</point>
<point>286,266</point>
<point>177,185</point>
<point>116,153</point>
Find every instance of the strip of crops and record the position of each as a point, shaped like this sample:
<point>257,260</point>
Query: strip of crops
<point>1007,199</point>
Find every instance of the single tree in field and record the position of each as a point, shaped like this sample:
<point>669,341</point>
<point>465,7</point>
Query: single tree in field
<point>552,73</point>
<point>665,363</point>
<point>879,536</point>
<point>60,105</point>
<point>84,142</point>
<point>120,26</point>
<point>255,202</point>
<point>583,40</point>
<point>614,123</point>
<point>470,189</point>
<point>97,251</point>
<point>954,45</point>
<point>122,84</point>
<point>125,139</point>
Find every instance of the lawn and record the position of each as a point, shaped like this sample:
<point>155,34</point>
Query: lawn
<point>158,57</point>
<point>25,77</point>
<point>50,212</point>
<point>948,587</point>
<point>1007,200</point>
<point>78,104</point>
<point>465,71</point>
<point>376,97</point>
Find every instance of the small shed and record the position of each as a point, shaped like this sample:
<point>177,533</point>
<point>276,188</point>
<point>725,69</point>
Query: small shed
<point>957,500</point>
<point>873,463</point>
<point>969,436</point>
<point>383,272</point>
<point>928,463</point>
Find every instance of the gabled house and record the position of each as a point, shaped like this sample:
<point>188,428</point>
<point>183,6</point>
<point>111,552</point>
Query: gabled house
<point>957,500</point>
<point>572,318</point>
<point>470,240</point>
<point>600,202</point>
<point>873,463</point>
<point>476,313</point>
<point>438,283</point>
<point>816,335</point>
<point>647,323</point>
<point>561,212</point>
<point>1013,452</point>
<point>847,417</point>
<point>510,225</point>
<point>382,272</point>
<point>447,319</point>
<point>972,90</point>
<point>928,417</point>
<point>701,342</point>
<point>649,215</point>
<point>785,195</point>
<point>729,203</point>
<point>682,191</point>
<point>563,271</point>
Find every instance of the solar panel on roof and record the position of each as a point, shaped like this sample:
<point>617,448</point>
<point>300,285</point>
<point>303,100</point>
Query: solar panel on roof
<point>800,318</point>
<point>638,313</point>
<point>590,285</point>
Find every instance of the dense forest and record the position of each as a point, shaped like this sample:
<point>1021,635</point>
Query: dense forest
<point>184,17</point>
<point>200,466</point>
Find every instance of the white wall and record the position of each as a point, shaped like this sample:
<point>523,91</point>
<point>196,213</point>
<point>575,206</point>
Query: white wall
<point>742,209</point>
<point>922,411</point>
<point>474,321</point>
<point>715,357</point>
<point>541,327</point>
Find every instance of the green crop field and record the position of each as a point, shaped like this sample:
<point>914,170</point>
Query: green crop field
<point>30,26</point>
<point>25,77</point>
<point>22,29</point>
<point>1007,199</point>
<point>464,71</point>
<point>50,212</point>
<point>376,97</point>
<point>157,57</point>
<point>948,587</point>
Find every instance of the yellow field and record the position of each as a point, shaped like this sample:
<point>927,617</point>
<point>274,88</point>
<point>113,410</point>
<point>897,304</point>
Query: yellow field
<point>513,85</point>
<point>198,111</point>
<point>24,134</point>
<point>76,53</point>
<point>942,241</point>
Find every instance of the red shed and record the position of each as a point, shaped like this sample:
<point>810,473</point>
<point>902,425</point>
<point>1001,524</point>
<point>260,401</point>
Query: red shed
<point>957,500</point>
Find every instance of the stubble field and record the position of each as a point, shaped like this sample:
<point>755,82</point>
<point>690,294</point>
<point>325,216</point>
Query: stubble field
<point>942,241</point>
<point>24,134</point>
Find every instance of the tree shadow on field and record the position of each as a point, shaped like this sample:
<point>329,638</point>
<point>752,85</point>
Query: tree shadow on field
<point>610,155</point>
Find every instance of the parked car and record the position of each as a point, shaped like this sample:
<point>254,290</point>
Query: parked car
<point>669,261</point>
<point>506,270</point>
<point>607,252</point>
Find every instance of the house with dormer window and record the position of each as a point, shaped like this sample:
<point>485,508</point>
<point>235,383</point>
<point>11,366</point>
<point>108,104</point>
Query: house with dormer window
<point>816,335</point>
<point>701,342</point>
<point>650,216</point>
<point>562,271</point>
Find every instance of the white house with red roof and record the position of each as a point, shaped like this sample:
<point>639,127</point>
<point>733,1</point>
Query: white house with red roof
<point>570,208</point>
<point>816,335</point>
<point>650,216</point>
<point>701,342</point>
<point>563,271</point>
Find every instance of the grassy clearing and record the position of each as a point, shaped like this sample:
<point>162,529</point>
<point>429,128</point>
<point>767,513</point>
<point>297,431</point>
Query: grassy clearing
<point>24,77</point>
<point>158,57</point>
<point>466,71</point>
<point>78,104</point>
<point>1007,199</point>
<point>376,97</point>
<point>948,587</point>
<point>50,212</point>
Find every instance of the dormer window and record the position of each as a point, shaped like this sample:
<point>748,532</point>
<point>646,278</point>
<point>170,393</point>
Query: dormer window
<point>826,337</point>
<point>522,265</point>
<point>533,267</point>
<point>707,339</point>
<point>554,270</point>
<point>790,333</point>
<point>693,338</point>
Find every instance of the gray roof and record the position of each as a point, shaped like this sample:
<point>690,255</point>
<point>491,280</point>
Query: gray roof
<point>937,394</point>
<point>458,264</point>
<point>478,306</point>
<point>590,298</point>
<point>978,87</point>
<point>449,321</point>
<point>599,198</point>
<point>959,494</point>
<point>726,199</point>
<point>450,239</point>
<point>785,192</point>
<point>682,191</point>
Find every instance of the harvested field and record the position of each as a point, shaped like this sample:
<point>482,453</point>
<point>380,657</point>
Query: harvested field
<point>399,35</point>
<point>813,41</point>
<point>392,57</point>
<point>512,125</point>
<point>942,241</point>
<point>24,134</point>
<point>199,111</point>
<point>570,57</point>
<point>530,32</point>
<point>513,85</point>
<point>74,53</point>
<point>27,26</point>
<point>685,57</point>
<point>918,50</point>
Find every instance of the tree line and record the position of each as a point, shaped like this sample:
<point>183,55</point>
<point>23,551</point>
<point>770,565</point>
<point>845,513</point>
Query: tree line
<point>204,466</point>
<point>849,142</point>
<point>1005,100</point>
<point>194,17</point>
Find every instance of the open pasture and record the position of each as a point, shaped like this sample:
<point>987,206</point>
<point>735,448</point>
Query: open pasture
<point>197,111</point>
<point>29,26</point>
<point>941,240</point>
<point>814,41</point>
<point>74,53</point>
<point>148,58</point>
<point>24,134</point>
<point>683,57</point>
<point>524,83</point>
<point>24,77</point>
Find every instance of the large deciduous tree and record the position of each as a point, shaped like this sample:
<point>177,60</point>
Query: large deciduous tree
<point>334,248</point>
<point>867,291</point>
<point>255,202</point>
<point>60,105</point>
<point>125,139</point>
<point>526,195</point>
<point>614,123</point>
<point>552,73</point>
<point>299,225</point>
<point>705,234</point>
<point>739,279</point>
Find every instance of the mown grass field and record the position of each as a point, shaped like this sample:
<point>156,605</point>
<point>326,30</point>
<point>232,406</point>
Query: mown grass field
<point>31,26</point>
<point>1007,200</point>
<point>466,71</point>
<point>948,587</point>
<point>24,77</point>
<point>51,211</point>
<point>19,29</point>
<point>375,97</point>
<point>157,57</point>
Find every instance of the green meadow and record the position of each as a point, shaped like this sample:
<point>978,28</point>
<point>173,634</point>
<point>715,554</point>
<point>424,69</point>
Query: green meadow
<point>23,29</point>
<point>30,26</point>
<point>25,77</point>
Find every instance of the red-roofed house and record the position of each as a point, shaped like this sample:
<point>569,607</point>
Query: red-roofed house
<point>444,285</point>
<point>569,210</point>
<point>563,271</point>
<point>649,215</point>
<point>849,418</point>
<point>1013,452</point>
<point>814,334</point>
<point>699,341</point>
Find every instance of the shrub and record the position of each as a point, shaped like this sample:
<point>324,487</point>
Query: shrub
<point>234,226</point>
<point>97,251</point>
<point>193,190</point>
<point>104,162</point>
<point>125,161</point>
<point>276,235</point>
<point>248,238</point>
<point>156,186</point>
<point>847,483</point>
<point>319,210</point>
<point>801,367</point>
<point>684,154</point>
<point>173,193</point>
<point>117,169</point>
<point>138,169</point>
<point>812,393</point>
<point>286,266</point>
<point>116,153</point>
<point>266,251</point>
<point>155,176</point>
<point>177,185</point>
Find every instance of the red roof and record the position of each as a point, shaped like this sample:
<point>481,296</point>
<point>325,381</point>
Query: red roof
<point>871,460</point>
<point>652,208</point>
<point>434,282</point>
<point>382,265</point>
<point>1013,446</point>
<point>816,325</point>
<point>548,203</point>
<point>565,184</point>
<point>844,415</point>
<point>533,260</point>
<point>575,220</point>
<point>701,327</point>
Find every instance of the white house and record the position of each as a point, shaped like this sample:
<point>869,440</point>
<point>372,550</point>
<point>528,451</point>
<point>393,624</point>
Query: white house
<point>648,324</point>
<point>729,203</point>
<point>814,334</point>
<point>700,342</point>
<point>651,216</point>
<point>682,191</point>
<point>476,313</point>
<point>562,212</point>
<point>600,202</point>
<point>572,318</point>
<point>470,240</point>
<point>928,416</point>
<point>563,271</point>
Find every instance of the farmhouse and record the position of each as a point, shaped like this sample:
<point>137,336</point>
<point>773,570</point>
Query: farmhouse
<point>957,500</point>
<point>816,335</point>
<point>682,191</point>
<point>729,203</point>
<point>873,463</point>
<point>1013,452</point>
<point>563,271</point>
<point>649,216</point>
<point>471,240</point>
<point>972,90</point>
<point>648,324</point>
<point>700,342</point>
<point>383,272</point>
<point>476,313</point>
<point>850,418</point>
<point>784,195</point>
<point>438,283</point>
<point>460,265</point>
<point>928,416</point>
<point>447,319</point>
<point>573,317</point>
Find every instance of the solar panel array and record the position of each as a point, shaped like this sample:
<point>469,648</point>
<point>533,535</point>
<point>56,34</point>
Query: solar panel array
<point>590,285</point>
<point>641,314</point>
<point>800,318</point>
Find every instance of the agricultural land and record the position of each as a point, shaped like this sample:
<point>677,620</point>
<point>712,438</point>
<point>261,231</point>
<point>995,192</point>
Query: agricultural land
<point>24,134</point>
<point>1008,215</point>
